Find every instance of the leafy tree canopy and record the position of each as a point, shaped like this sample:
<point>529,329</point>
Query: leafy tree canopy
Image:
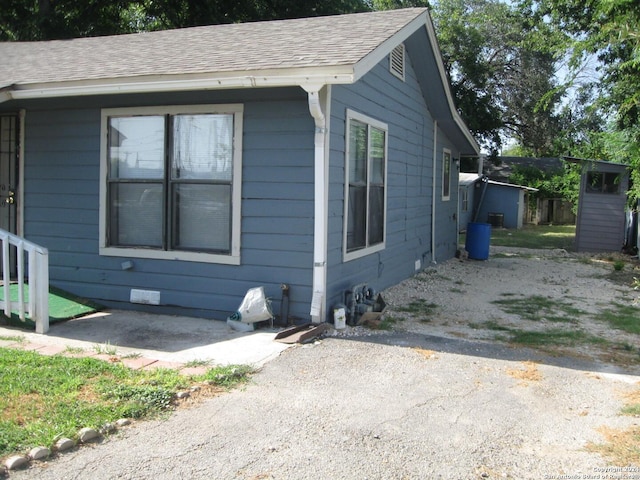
<point>58,19</point>
<point>608,30</point>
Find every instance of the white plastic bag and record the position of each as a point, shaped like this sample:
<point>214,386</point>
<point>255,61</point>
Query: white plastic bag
<point>255,307</point>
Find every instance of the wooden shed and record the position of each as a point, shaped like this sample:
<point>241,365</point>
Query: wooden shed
<point>600,226</point>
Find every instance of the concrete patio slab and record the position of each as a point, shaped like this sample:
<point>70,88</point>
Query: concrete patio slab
<point>166,338</point>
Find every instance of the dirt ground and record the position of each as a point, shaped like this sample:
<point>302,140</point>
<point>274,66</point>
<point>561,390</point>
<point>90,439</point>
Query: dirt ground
<point>452,391</point>
<point>517,292</point>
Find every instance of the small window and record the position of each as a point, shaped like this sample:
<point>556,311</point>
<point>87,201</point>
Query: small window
<point>365,185</point>
<point>171,183</point>
<point>603,182</point>
<point>396,61</point>
<point>464,192</point>
<point>446,174</point>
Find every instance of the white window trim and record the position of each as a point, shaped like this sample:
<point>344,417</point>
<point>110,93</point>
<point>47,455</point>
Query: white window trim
<point>363,252</point>
<point>446,152</point>
<point>464,200</point>
<point>233,258</point>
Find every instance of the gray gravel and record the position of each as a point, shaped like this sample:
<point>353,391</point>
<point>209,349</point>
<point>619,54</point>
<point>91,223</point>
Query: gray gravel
<point>433,399</point>
<point>375,407</point>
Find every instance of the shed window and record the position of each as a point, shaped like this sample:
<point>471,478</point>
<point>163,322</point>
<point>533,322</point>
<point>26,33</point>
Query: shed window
<point>396,61</point>
<point>172,183</point>
<point>365,196</point>
<point>603,182</point>
<point>464,192</point>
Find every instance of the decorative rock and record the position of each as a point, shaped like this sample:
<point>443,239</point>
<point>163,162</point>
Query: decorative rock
<point>123,422</point>
<point>108,428</point>
<point>64,444</point>
<point>16,461</point>
<point>38,453</point>
<point>183,394</point>
<point>87,434</point>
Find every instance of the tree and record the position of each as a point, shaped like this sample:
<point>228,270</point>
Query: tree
<point>501,71</point>
<point>48,19</point>
<point>608,30</point>
<point>59,19</point>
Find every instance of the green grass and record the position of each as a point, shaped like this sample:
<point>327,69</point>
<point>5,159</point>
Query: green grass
<point>537,308</point>
<point>45,398</point>
<point>622,317</point>
<point>553,337</point>
<point>632,410</point>
<point>420,307</point>
<point>387,322</point>
<point>489,325</point>
<point>534,236</point>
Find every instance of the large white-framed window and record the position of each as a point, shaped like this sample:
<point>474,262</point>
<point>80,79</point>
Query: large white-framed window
<point>365,185</point>
<point>446,174</point>
<point>171,182</point>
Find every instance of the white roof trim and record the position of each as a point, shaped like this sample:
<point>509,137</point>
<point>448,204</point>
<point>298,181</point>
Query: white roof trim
<point>513,185</point>
<point>311,79</point>
<point>465,179</point>
<point>385,48</point>
<point>433,40</point>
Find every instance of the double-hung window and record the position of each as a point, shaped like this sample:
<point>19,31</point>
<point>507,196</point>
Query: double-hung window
<point>171,182</point>
<point>365,185</point>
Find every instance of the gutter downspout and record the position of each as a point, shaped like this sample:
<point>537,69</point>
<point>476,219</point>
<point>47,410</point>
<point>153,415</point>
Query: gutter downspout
<point>433,192</point>
<point>319,108</point>
<point>20,210</point>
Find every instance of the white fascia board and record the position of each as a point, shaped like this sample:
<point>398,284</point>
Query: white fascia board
<point>512,185</point>
<point>5,95</point>
<point>299,77</point>
<point>376,56</point>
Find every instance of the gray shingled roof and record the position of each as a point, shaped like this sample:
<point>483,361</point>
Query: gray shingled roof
<point>290,45</point>
<point>503,170</point>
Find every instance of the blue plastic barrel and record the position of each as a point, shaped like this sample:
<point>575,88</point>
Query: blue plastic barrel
<point>478,240</point>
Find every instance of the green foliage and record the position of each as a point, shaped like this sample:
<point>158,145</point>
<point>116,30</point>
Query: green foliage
<point>228,375</point>
<point>605,31</point>
<point>502,71</point>
<point>564,183</point>
<point>43,398</point>
<point>50,19</point>
<point>622,317</point>
<point>534,236</point>
<point>553,337</point>
<point>538,308</point>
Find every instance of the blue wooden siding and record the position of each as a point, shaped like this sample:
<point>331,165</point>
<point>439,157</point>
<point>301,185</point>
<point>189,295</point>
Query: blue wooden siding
<point>401,106</point>
<point>501,199</point>
<point>62,206</point>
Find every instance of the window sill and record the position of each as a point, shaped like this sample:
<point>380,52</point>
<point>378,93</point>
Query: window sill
<point>173,255</point>
<point>348,256</point>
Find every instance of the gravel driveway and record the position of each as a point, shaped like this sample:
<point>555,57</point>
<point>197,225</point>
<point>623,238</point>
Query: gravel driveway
<point>427,400</point>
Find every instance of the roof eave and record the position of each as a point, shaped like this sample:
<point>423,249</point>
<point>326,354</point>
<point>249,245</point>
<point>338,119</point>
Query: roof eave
<point>366,63</point>
<point>433,40</point>
<point>422,20</point>
<point>312,78</point>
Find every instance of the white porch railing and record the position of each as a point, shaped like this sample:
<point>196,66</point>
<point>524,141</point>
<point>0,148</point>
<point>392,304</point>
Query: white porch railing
<point>37,305</point>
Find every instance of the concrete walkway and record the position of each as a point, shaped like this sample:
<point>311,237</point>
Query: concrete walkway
<point>144,340</point>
